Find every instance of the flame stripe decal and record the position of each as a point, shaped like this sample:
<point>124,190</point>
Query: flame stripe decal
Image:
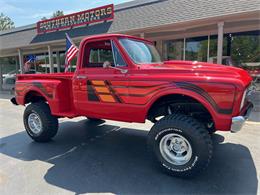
<point>204,94</point>
<point>104,91</point>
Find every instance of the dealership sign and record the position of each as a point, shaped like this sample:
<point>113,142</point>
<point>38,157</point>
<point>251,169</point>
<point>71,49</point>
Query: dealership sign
<point>77,19</point>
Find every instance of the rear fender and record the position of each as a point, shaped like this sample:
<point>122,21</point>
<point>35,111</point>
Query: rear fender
<point>46,89</point>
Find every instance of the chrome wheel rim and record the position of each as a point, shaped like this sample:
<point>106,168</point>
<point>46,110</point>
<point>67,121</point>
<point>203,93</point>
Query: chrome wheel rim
<point>35,123</point>
<point>175,149</point>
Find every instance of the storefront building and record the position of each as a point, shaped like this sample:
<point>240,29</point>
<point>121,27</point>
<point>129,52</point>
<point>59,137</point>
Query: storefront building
<point>223,31</point>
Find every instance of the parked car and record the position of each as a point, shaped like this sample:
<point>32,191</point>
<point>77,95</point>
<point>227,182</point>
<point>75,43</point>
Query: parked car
<point>122,78</point>
<point>9,83</point>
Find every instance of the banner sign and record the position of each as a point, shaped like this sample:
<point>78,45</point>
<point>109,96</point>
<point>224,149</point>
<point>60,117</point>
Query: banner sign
<point>76,19</point>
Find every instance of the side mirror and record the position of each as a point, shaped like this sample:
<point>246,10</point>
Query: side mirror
<point>107,64</point>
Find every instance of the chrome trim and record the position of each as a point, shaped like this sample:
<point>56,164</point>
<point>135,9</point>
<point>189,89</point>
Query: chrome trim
<point>243,99</point>
<point>247,93</point>
<point>239,121</point>
<point>81,77</point>
<point>175,149</point>
<point>35,123</point>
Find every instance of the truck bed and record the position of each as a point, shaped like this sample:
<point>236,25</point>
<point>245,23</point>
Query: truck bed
<point>56,88</point>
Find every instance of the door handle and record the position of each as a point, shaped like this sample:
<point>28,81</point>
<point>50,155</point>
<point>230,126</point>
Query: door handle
<point>81,77</point>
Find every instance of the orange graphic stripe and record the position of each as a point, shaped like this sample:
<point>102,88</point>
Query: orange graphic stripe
<point>95,82</point>
<point>107,98</point>
<point>101,90</point>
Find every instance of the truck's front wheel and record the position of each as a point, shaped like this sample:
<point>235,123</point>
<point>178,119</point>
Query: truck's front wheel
<point>181,145</point>
<point>40,125</point>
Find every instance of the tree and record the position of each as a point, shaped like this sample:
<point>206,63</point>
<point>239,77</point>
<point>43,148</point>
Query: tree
<point>57,13</point>
<point>44,18</point>
<point>54,15</point>
<point>5,22</point>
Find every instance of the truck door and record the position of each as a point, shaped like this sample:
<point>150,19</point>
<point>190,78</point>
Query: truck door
<point>103,70</point>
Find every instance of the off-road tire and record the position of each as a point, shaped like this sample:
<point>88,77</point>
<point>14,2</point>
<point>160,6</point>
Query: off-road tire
<point>194,132</point>
<point>49,123</point>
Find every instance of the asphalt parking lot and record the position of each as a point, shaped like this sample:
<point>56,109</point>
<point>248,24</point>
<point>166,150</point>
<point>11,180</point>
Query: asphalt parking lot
<point>111,157</point>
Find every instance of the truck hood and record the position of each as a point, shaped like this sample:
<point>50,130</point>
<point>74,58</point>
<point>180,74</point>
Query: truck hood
<point>201,71</point>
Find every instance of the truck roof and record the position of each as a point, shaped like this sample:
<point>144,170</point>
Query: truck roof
<point>114,35</point>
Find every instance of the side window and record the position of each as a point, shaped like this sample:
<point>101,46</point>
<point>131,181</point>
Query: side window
<point>100,55</point>
<point>96,53</point>
<point>119,61</point>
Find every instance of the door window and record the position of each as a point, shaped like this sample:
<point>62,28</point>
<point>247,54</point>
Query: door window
<point>100,52</point>
<point>97,53</point>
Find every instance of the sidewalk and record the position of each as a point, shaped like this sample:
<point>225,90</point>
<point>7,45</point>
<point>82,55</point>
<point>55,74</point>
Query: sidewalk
<point>6,95</point>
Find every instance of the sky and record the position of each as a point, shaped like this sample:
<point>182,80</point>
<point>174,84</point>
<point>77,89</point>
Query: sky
<point>24,12</point>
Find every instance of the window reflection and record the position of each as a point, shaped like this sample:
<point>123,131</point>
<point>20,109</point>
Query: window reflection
<point>245,49</point>
<point>239,49</point>
<point>196,49</point>
<point>173,49</point>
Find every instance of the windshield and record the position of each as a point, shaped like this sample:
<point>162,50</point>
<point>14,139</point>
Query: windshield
<point>140,52</point>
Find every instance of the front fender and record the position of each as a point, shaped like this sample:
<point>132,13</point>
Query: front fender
<point>221,121</point>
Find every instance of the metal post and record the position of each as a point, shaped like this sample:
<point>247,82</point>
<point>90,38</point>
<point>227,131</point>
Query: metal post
<point>21,61</point>
<point>208,50</point>
<point>1,78</point>
<point>184,48</point>
<point>165,51</point>
<point>220,42</point>
<point>58,61</point>
<point>50,59</point>
<point>16,65</point>
<point>45,61</point>
<point>159,47</point>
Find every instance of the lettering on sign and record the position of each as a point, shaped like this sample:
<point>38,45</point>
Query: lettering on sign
<point>77,19</point>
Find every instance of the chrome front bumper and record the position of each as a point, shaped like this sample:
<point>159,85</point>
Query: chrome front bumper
<point>239,121</point>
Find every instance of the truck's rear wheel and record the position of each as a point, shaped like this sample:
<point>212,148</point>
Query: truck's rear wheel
<point>181,145</point>
<point>40,125</point>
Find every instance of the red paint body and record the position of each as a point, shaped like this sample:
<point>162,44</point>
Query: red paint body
<point>129,96</point>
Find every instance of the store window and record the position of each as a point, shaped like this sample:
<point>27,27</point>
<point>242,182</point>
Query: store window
<point>244,49</point>
<point>239,49</point>
<point>9,65</point>
<point>196,49</point>
<point>173,49</point>
<point>213,50</point>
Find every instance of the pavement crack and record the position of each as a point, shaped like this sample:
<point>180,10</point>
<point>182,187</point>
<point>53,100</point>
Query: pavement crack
<point>83,144</point>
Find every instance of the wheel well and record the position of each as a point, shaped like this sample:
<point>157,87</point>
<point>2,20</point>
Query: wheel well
<point>177,103</point>
<point>33,96</point>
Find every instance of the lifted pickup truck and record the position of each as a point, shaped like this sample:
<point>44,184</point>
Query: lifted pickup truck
<point>120,77</point>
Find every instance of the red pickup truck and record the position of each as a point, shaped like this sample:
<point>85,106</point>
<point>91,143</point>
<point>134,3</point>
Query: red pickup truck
<point>122,78</point>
